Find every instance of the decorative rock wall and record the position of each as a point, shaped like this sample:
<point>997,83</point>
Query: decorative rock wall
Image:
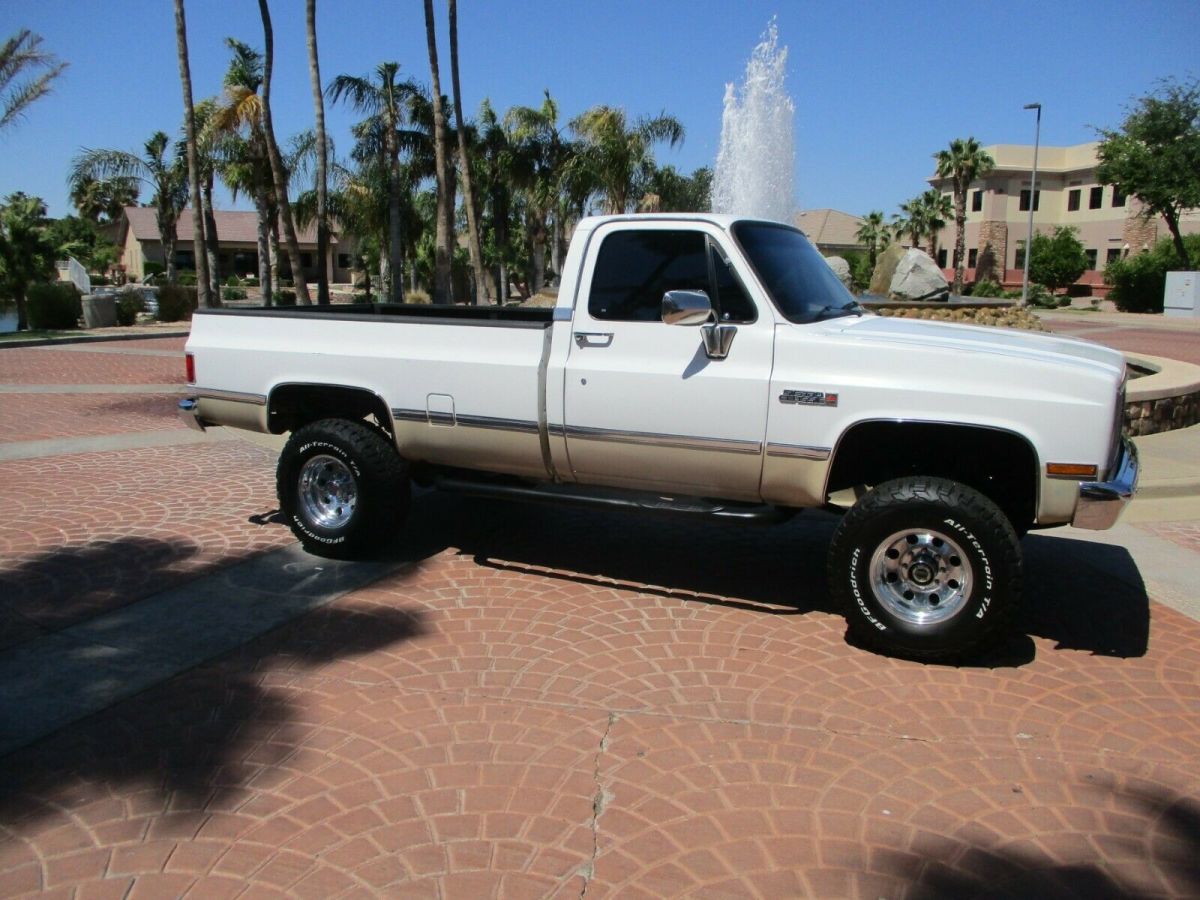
<point>993,251</point>
<point>1161,414</point>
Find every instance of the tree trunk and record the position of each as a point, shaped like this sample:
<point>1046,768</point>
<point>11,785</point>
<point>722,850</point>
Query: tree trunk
<point>189,120</point>
<point>167,237</point>
<point>555,251</point>
<point>473,245</point>
<point>385,277</point>
<point>212,243</point>
<point>273,247</point>
<point>314,69</point>
<point>22,315</point>
<point>445,236</point>
<point>1172,220</point>
<point>278,174</point>
<point>394,287</point>
<point>263,208</point>
<point>960,238</point>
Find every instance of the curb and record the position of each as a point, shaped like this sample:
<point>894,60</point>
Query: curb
<point>92,339</point>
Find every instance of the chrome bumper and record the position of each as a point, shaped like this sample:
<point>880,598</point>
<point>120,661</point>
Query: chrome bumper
<point>1101,502</point>
<point>189,411</point>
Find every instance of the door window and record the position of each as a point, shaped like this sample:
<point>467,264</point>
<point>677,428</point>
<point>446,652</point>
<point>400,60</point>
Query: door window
<point>635,268</point>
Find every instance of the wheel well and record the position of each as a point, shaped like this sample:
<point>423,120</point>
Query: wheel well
<point>293,406</point>
<point>999,464</point>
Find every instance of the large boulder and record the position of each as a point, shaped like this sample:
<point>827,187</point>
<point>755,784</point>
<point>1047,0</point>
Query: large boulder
<point>917,277</point>
<point>885,268</point>
<point>841,269</point>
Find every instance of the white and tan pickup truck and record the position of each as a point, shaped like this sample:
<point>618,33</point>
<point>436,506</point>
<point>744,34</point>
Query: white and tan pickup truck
<point>701,365</point>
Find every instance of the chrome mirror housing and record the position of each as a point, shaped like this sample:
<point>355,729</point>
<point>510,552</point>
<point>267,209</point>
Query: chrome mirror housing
<point>686,308</point>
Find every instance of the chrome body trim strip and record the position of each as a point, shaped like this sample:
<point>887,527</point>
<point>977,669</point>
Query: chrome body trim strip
<point>1101,502</point>
<point>522,426</point>
<point>673,441</point>
<point>797,451</point>
<point>234,396</point>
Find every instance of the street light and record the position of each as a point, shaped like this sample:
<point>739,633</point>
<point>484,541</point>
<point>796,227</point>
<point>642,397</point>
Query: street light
<point>1037,134</point>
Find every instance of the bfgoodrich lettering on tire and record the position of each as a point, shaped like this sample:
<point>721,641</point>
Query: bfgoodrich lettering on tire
<point>926,568</point>
<point>343,488</point>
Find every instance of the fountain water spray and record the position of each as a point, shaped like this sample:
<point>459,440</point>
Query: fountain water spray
<point>754,175</point>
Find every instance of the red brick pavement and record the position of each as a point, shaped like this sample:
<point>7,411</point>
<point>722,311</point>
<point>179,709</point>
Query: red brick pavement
<point>38,365</point>
<point>86,533</point>
<point>1185,534</point>
<point>545,701</point>
<point>1181,345</point>
<point>31,417</point>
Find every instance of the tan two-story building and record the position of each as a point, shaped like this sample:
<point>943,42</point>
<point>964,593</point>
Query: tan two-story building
<point>1109,223</point>
<point>237,237</point>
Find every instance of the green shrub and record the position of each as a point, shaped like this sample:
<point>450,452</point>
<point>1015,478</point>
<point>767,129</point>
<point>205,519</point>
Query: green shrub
<point>99,280</point>
<point>53,306</point>
<point>128,306</point>
<point>1064,301</point>
<point>176,303</point>
<point>233,281</point>
<point>233,293</point>
<point>285,298</point>
<point>986,289</point>
<point>187,279</point>
<point>153,268</point>
<point>1138,282</point>
<point>1041,297</point>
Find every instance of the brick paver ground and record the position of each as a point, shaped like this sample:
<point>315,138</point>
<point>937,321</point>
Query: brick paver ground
<point>548,702</point>
<point>32,417</point>
<point>1182,345</point>
<point>55,365</point>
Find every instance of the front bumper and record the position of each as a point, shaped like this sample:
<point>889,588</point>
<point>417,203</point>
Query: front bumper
<point>1101,502</point>
<point>189,411</point>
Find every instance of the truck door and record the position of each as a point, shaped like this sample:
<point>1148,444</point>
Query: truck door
<point>644,404</point>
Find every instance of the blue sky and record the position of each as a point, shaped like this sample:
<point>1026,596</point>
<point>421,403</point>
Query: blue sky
<point>878,87</point>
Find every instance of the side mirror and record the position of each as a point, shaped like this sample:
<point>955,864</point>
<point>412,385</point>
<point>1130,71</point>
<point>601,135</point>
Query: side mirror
<point>686,308</point>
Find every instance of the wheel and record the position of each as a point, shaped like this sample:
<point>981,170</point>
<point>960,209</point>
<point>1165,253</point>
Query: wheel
<point>343,488</point>
<point>926,568</point>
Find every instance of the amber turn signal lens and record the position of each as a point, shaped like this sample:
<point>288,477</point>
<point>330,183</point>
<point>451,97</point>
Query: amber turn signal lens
<point>1070,470</point>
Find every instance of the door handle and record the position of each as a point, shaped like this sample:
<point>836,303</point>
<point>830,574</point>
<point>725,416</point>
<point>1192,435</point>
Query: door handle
<point>593,338</point>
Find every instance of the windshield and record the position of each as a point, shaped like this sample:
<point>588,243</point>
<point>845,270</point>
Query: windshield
<point>800,282</point>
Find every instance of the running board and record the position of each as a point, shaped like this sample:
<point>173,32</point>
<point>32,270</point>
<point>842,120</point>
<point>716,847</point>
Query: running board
<point>603,498</point>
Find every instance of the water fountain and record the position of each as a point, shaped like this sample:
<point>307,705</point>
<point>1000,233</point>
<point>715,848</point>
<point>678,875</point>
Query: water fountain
<point>754,174</point>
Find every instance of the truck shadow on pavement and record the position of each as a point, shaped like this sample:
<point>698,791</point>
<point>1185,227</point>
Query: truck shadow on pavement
<point>1081,595</point>
<point>195,738</point>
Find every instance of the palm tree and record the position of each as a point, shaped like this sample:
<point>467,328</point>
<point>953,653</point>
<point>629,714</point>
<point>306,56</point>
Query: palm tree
<point>473,244</point>
<point>910,220</point>
<point>203,286</point>
<point>935,210</point>
<point>382,101</point>
<point>164,174</point>
<point>496,159</point>
<point>539,170</point>
<point>20,55</point>
<point>314,70</point>
<point>613,154</point>
<point>241,152</point>
<point>873,232</point>
<point>445,203</point>
<point>26,252</point>
<point>278,172</point>
<point>962,163</point>
<point>101,201</point>
<point>206,143</point>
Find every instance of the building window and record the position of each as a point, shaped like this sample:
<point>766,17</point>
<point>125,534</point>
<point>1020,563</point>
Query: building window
<point>1091,258</point>
<point>1096,198</point>
<point>972,258</point>
<point>343,260</point>
<point>1024,204</point>
<point>1019,258</point>
<point>942,258</point>
<point>1118,196</point>
<point>976,201</point>
<point>1113,254</point>
<point>306,260</point>
<point>1073,200</point>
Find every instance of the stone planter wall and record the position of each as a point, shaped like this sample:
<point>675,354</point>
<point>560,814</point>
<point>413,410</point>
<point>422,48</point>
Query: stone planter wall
<point>1162,414</point>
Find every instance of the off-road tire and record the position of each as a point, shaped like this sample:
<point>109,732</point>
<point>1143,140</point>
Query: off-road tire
<point>379,486</point>
<point>945,524</point>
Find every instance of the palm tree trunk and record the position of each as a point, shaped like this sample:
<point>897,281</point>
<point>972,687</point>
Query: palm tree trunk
<point>473,245</point>
<point>960,238</point>
<point>166,237</point>
<point>556,248</point>
<point>263,208</point>
<point>212,243</point>
<point>189,117</point>
<point>278,174</point>
<point>395,237</point>
<point>314,69</point>
<point>273,246</point>
<point>445,235</point>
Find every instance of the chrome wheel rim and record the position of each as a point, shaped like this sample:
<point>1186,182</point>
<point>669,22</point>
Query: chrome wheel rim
<point>328,492</point>
<point>921,576</point>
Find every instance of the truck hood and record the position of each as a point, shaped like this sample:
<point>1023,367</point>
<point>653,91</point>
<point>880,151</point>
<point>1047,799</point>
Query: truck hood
<point>1008,342</point>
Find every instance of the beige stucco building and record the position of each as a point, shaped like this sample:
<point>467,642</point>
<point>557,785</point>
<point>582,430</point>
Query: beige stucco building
<point>237,235</point>
<point>1109,223</point>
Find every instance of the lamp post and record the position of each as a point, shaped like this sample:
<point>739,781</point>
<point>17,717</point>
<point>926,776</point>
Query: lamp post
<point>1037,135</point>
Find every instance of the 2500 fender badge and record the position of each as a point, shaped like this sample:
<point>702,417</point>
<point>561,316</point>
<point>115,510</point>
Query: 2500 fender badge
<point>809,398</point>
